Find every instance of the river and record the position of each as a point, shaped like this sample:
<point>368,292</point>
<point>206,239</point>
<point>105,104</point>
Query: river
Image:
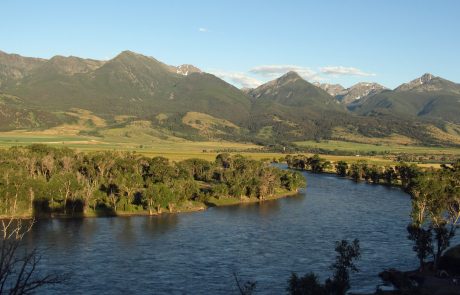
<point>197,253</point>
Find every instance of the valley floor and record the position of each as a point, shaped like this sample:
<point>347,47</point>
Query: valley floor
<point>177,150</point>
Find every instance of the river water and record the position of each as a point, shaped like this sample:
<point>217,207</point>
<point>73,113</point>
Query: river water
<point>197,253</point>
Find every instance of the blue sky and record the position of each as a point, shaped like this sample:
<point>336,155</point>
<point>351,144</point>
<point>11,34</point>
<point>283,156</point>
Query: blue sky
<point>249,42</point>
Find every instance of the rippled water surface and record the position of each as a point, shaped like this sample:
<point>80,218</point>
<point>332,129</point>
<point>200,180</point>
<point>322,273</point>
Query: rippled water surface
<point>196,253</point>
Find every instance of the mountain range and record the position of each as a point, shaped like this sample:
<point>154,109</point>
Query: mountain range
<point>183,101</point>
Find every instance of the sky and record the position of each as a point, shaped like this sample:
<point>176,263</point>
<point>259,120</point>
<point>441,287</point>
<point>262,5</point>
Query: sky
<point>252,41</point>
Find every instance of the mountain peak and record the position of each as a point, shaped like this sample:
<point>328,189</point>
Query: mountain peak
<point>128,54</point>
<point>425,78</point>
<point>332,89</point>
<point>291,75</point>
<point>70,65</point>
<point>187,69</point>
<point>423,82</point>
<point>359,91</point>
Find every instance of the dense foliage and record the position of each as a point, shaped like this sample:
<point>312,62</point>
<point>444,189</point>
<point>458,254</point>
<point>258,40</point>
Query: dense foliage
<point>402,174</point>
<point>42,180</point>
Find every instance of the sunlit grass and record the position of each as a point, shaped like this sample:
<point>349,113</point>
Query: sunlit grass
<point>333,145</point>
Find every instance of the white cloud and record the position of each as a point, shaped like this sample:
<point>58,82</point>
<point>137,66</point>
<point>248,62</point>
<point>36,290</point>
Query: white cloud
<point>238,78</point>
<point>274,71</point>
<point>203,30</point>
<point>344,71</point>
<point>258,75</point>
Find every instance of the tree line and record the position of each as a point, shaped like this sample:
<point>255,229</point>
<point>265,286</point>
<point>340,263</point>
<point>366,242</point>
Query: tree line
<point>38,179</point>
<point>400,174</point>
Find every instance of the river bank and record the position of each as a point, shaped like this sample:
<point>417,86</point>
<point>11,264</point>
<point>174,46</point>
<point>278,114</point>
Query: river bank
<point>185,207</point>
<point>229,201</point>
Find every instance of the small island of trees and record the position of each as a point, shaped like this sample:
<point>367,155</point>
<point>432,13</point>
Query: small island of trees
<point>42,181</point>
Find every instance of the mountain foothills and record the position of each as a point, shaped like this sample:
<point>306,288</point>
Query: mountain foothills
<point>90,97</point>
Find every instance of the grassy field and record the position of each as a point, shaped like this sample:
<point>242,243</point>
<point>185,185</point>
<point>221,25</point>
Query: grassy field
<point>177,149</point>
<point>358,148</point>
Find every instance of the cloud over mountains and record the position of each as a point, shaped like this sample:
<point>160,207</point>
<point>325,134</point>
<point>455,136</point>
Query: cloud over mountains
<point>261,74</point>
<point>344,71</point>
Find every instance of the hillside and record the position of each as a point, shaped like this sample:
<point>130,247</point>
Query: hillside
<point>14,67</point>
<point>72,94</point>
<point>290,107</point>
<point>129,84</point>
<point>427,97</point>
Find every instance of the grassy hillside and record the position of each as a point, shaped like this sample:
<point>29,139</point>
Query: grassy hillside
<point>438,105</point>
<point>141,99</point>
<point>129,84</point>
<point>427,97</point>
<point>290,107</point>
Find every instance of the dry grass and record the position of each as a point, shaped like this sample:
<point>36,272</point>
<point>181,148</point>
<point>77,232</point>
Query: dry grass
<point>350,135</point>
<point>207,125</point>
<point>452,135</point>
<point>357,148</point>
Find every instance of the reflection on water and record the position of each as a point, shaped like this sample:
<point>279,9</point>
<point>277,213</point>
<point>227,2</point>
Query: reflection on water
<point>196,253</point>
<point>263,209</point>
<point>126,233</point>
<point>158,225</point>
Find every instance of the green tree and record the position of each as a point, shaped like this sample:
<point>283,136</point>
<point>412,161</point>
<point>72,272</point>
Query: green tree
<point>292,181</point>
<point>357,170</point>
<point>390,175</point>
<point>64,187</point>
<point>318,164</point>
<point>435,206</point>
<point>341,168</point>
<point>164,196</point>
<point>407,174</point>
<point>423,243</point>
<point>128,185</point>
<point>375,173</point>
<point>347,253</point>
<point>220,190</point>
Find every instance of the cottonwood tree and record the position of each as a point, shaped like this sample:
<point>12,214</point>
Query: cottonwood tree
<point>318,164</point>
<point>129,184</point>
<point>357,170</point>
<point>435,208</point>
<point>423,242</point>
<point>341,168</point>
<point>407,174</point>
<point>67,186</point>
<point>389,175</point>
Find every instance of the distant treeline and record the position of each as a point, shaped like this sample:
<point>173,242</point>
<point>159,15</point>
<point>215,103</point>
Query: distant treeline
<point>358,171</point>
<point>41,180</point>
<point>289,148</point>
